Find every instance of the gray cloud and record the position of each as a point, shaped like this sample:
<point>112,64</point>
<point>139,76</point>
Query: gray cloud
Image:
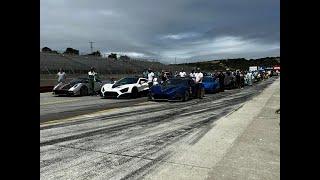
<point>167,29</point>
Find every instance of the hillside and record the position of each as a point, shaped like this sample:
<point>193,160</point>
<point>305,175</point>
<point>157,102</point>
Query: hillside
<point>50,64</point>
<point>75,64</point>
<point>233,64</point>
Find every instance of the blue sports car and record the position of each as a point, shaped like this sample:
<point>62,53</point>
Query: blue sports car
<point>211,84</point>
<point>175,89</point>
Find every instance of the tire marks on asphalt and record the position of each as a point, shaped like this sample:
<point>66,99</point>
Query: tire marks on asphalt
<point>138,138</point>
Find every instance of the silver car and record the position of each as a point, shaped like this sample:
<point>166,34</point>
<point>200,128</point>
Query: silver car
<point>76,87</point>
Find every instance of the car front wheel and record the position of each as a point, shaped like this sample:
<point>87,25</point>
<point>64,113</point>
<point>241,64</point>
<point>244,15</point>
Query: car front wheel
<point>84,91</point>
<point>134,93</point>
<point>186,96</point>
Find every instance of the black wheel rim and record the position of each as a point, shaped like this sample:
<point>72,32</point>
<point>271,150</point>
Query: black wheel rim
<point>83,91</point>
<point>134,93</point>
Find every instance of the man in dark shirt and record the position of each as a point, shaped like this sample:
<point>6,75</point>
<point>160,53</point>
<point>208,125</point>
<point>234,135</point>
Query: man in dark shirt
<point>238,83</point>
<point>221,80</point>
<point>163,76</point>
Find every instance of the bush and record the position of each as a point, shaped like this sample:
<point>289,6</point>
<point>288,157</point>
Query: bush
<point>71,51</point>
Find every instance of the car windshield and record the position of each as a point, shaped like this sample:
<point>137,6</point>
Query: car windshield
<point>127,80</point>
<point>207,79</point>
<point>79,80</point>
<point>175,82</point>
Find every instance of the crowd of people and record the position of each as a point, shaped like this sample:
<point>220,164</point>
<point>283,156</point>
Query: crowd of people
<point>227,79</point>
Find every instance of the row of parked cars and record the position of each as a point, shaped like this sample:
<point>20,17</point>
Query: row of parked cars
<point>174,89</point>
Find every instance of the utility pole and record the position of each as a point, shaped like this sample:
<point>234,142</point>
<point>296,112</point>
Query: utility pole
<point>91,46</point>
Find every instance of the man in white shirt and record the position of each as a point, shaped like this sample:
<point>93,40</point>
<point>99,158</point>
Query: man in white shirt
<point>61,76</point>
<point>182,73</point>
<point>150,77</point>
<point>249,77</point>
<point>192,75</point>
<point>92,78</point>
<point>198,81</point>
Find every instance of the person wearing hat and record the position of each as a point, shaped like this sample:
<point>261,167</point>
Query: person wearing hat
<point>198,81</point>
<point>92,78</point>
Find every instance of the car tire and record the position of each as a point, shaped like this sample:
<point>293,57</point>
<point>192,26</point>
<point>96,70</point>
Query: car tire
<point>186,96</point>
<point>84,91</point>
<point>134,92</point>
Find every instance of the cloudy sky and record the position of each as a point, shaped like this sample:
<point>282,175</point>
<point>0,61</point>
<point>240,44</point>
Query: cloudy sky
<point>185,30</point>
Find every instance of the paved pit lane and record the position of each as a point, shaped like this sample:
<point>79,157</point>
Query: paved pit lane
<point>129,142</point>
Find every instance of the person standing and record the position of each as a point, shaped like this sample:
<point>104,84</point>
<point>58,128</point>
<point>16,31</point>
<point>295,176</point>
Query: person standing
<point>145,73</point>
<point>150,77</point>
<point>92,78</point>
<point>182,73</point>
<point>163,77</point>
<point>227,80</point>
<point>215,74</point>
<point>192,75</point>
<point>249,78</point>
<point>176,74</point>
<point>198,78</point>
<point>61,76</point>
<point>241,79</point>
<point>238,80</point>
<point>221,77</point>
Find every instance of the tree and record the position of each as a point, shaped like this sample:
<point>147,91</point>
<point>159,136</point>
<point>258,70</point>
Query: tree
<point>97,53</point>
<point>46,49</point>
<point>124,57</point>
<point>71,51</point>
<point>113,56</point>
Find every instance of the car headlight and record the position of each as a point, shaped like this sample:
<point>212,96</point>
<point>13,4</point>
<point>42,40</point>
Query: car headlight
<point>124,90</point>
<point>102,89</point>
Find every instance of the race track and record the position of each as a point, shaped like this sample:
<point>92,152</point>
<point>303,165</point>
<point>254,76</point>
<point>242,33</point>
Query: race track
<point>126,141</point>
<point>55,107</point>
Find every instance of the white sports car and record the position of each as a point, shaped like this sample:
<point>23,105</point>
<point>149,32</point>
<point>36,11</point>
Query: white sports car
<point>126,87</point>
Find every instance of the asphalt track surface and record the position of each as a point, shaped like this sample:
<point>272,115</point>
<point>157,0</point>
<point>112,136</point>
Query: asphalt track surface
<point>57,107</point>
<point>128,142</point>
